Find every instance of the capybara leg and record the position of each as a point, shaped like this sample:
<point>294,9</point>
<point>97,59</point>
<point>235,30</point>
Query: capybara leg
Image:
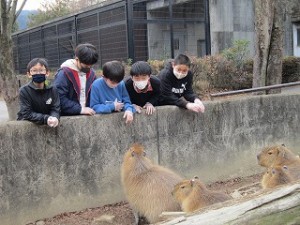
<point>136,217</point>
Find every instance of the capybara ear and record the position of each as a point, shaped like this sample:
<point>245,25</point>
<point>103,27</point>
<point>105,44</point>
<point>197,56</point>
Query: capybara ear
<point>283,144</point>
<point>196,177</point>
<point>144,153</point>
<point>192,182</point>
<point>285,167</point>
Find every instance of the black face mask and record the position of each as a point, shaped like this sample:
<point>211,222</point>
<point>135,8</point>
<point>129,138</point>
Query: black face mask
<point>39,78</point>
<point>85,70</point>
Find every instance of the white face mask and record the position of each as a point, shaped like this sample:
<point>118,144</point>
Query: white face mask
<point>141,84</point>
<point>179,75</point>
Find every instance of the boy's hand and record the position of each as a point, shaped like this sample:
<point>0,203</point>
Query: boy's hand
<point>118,105</point>
<point>137,108</point>
<point>200,103</point>
<point>128,115</point>
<point>149,108</point>
<point>52,121</point>
<point>87,111</point>
<point>195,107</point>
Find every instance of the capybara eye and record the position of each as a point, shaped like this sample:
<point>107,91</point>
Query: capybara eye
<point>132,154</point>
<point>270,153</point>
<point>182,187</point>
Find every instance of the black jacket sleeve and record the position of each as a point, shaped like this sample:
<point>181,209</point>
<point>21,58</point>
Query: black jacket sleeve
<point>55,109</point>
<point>168,97</point>
<point>155,83</point>
<point>27,111</point>
<point>189,94</point>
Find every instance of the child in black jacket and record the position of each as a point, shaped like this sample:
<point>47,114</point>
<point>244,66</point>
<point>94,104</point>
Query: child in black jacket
<point>143,88</point>
<point>176,85</point>
<point>39,103</point>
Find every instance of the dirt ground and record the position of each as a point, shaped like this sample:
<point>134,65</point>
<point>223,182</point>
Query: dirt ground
<point>121,214</point>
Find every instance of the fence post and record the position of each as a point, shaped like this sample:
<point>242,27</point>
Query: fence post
<point>207,29</point>
<point>129,17</point>
<point>171,28</point>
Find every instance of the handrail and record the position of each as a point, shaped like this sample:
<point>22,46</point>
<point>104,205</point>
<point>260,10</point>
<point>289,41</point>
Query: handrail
<point>275,86</point>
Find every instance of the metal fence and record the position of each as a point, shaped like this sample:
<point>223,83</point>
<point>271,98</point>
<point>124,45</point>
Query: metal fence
<point>121,30</point>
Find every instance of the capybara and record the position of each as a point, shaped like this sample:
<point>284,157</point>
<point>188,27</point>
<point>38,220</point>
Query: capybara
<point>275,176</point>
<point>148,186</point>
<point>193,194</point>
<point>279,155</point>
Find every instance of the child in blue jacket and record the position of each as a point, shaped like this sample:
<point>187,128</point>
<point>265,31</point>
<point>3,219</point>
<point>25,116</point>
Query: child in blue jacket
<point>109,94</point>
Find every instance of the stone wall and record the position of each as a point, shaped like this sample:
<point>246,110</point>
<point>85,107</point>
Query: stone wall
<point>45,171</point>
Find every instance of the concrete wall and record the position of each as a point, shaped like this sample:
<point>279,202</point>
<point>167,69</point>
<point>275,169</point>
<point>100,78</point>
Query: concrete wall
<point>231,20</point>
<point>45,171</point>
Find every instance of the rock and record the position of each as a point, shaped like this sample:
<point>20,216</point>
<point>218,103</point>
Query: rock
<point>40,223</point>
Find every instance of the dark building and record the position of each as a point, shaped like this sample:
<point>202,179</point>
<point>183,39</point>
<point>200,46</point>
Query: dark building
<point>121,30</point>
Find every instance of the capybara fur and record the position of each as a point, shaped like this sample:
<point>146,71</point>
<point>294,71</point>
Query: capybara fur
<point>279,155</point>
<point>148,186</point>
<point>193,195</point>
<point>275,176</point>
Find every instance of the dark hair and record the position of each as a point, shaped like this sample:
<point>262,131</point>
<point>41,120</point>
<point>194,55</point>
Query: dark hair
<point>182,59</point>
<point>114,70</point>
<point>140,68</point>
<point>36,61</point>
<point>86,53</point>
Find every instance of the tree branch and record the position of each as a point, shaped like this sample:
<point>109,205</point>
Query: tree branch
<point>20,9</point>
<point>9,5</point>
<point>3,17</point>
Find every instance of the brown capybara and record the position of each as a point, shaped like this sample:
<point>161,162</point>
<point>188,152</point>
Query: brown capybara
<point>193,194</point>
<point>279,155</point>
<point>147,186</point>
<point>275,176</point>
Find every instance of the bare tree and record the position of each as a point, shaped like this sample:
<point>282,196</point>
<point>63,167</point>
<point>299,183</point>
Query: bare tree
<point>49,11</point>
<point>79,4</point>
<point>270,16</point>
<point>269,27</point>
<point>8,80</point>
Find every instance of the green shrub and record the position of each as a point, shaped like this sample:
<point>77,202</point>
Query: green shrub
<point>216,72</point>
<point>238,53</point>
<point>156,65</point>
<point>290,69</point>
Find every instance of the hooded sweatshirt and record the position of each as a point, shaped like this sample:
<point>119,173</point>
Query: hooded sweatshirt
<point>71,63</point>
<point>73,87</point>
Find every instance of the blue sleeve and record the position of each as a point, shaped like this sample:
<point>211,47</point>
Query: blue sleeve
<point>96,104</point>
<point>68,106</point>
<point>126,99</point>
